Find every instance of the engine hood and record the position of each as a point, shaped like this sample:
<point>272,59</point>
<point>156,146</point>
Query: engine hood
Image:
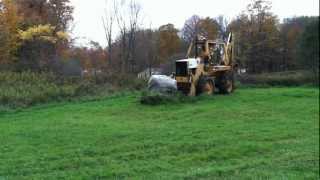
<point>192,62</point>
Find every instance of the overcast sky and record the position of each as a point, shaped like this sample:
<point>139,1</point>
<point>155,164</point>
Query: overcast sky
<point>87,23</point>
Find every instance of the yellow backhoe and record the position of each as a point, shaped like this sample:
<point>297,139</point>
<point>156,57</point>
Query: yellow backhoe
<point>210,70</point>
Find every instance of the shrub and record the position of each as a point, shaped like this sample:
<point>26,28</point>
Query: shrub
<point>156,98</point>
<point>84,88</point>
<point>28,88</point>
<point>288,78</point>
<point>23,89</point>
<point>125,81</point>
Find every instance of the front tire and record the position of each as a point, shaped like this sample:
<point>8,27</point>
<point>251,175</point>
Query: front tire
<point>225,83</point>
<point>205,86</point>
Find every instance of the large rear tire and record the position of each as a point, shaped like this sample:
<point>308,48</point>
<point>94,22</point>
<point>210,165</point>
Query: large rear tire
<point>225,83</point>
<point>205,86</point>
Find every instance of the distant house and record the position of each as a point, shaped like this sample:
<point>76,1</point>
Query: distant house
<point>90,72</point>
<point>147,73</point>
<point>242,70</point>
<point>71,67</point>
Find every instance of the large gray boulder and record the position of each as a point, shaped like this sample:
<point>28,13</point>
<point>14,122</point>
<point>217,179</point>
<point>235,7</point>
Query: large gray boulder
<point>162,84</point>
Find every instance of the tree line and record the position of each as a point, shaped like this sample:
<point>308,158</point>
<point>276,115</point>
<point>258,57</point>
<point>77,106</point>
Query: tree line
<point>34,36</point>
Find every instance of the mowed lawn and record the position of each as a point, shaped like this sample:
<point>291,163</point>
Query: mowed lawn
<point>268,133</point>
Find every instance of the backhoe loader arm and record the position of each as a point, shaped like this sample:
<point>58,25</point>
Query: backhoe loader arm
<point>189,50</point>
<point>228,55</point>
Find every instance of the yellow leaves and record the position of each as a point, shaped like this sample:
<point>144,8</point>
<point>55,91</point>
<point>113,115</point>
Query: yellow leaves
<point>63,35</point>
<point>44,33</point>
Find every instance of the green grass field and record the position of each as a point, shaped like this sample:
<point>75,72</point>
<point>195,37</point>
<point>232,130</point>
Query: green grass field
<point>268,133</point>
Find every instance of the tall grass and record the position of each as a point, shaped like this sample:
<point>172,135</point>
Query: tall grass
<point>28,88</point>
<point>288,78</point>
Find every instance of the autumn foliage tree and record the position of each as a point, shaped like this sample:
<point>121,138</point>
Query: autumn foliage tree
<point>169,42</point>
<point>308,48</point>
<point>290,33</point>
<point>147,49</point>
<point>57,13</point>
<point>42,37</point>
<point>9,21</point>
<point>257,38</point>
<point>45,40</point>
<point>34,36</point>
<point>207,27</point>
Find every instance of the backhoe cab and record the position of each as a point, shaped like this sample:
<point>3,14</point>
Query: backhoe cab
<point>210,70</point>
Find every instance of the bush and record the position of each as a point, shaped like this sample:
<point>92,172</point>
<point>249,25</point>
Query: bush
<point>125,81</point>
<point>156,98</point>
<point>22,89</point>
<point>28,88</point>
<point>288,78</point>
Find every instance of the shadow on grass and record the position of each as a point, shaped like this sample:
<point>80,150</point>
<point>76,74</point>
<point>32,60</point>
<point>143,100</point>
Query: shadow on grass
<point>156,98</point>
